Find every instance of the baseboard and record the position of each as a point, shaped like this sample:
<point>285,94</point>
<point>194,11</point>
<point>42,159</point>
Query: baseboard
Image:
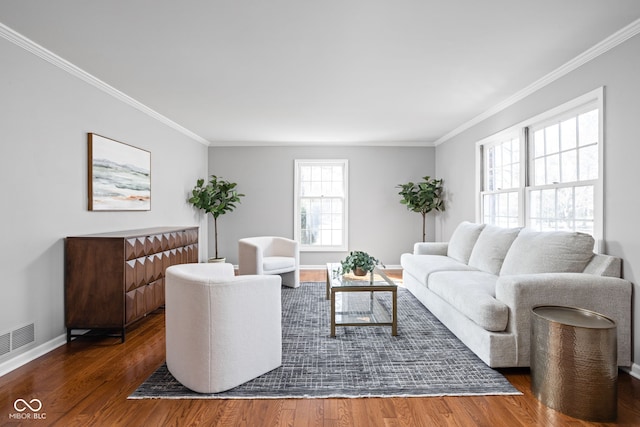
<point>634,371</point>
<point>324,267</point>
<point>302,267</point>
<point>313,267</point>
<point>30,355</point>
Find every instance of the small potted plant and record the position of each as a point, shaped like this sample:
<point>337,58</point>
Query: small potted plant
<point>359,262</point>
<point>217,197</point>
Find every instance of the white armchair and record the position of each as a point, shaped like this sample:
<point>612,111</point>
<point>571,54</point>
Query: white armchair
<point>270,255</point>
<point>222,330</point>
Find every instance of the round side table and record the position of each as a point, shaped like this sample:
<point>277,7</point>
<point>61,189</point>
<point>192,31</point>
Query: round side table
<point>574,362</point>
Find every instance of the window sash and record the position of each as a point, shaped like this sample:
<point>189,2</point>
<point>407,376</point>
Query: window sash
<point>501,208</point>
<point>568,139</point>
<point>502,164</point>
<point>569,207</point>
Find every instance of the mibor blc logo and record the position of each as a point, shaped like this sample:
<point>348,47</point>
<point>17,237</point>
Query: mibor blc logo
<point>28,410</point>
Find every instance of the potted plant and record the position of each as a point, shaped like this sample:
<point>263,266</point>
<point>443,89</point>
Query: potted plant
<point>217,197</point>
<point>423,197</point>
<point>359,262</point>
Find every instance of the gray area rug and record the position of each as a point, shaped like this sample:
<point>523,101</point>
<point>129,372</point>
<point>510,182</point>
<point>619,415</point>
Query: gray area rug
<point>425,359</point>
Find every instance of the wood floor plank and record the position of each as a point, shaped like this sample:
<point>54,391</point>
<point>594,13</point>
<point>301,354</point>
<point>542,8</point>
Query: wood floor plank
<point>309,413</point>
<point>403,412</point>
<point>330,410</point>
<point>360,413</point>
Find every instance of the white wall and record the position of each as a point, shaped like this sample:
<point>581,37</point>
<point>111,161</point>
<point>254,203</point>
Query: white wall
<point>617,71</point>
<point>45,115</point>
<point>378,224</point>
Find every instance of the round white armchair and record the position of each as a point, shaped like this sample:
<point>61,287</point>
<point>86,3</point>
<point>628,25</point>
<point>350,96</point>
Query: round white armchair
<point>222,330</point>
<point>270,255</point>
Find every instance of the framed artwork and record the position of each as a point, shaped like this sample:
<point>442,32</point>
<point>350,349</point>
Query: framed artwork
<point>119,176</point>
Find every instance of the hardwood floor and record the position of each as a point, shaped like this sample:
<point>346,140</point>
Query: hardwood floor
<point>86,383</point>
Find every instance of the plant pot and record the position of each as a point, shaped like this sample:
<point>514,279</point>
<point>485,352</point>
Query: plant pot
<point>359,272</point>
<point>217,259</point>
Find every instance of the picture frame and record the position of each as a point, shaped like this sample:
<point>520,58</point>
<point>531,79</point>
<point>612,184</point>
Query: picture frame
<point>119,176</point>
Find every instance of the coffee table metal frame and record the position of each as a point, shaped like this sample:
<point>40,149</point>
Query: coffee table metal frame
<point>337,283</point>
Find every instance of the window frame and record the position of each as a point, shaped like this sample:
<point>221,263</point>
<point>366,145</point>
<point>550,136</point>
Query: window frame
<point>562,184</point>
<point>299,163</point>
<point>589,101</point>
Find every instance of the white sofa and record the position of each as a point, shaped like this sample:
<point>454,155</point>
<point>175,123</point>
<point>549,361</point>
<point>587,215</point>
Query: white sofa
<point>483,283</point>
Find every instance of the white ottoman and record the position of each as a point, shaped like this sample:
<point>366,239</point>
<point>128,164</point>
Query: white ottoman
<point>222,330</point>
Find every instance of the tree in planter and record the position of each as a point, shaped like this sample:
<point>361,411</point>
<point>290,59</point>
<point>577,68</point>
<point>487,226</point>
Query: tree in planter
<point>423,197</point>
<point>217,198</point>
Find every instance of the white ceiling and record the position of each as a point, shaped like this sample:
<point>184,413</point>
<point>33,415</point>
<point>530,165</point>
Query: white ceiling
<point>319,72</point>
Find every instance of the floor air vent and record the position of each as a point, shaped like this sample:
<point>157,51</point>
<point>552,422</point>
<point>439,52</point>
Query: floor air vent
<point>10,341</point>
<point>5,344</point>
<point>23,336</point>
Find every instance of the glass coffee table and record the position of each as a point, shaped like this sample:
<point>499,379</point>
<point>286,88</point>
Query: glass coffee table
<point>356,300</point>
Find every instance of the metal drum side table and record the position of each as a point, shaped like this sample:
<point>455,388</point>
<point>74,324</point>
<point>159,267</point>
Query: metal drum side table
<point>574,362</point>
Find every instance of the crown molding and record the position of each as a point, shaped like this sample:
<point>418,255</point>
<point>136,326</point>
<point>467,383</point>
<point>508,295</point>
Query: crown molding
<point>595,51</point>
<point>278,143</point>
<point>43,53</point>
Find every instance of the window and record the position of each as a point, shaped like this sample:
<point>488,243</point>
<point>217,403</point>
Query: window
<point>321,188</point>
<point>501,195</point>
<point>563,169</point>
<point>545,173</point>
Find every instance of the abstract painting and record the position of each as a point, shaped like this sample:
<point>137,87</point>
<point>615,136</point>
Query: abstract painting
<point>119,176</point>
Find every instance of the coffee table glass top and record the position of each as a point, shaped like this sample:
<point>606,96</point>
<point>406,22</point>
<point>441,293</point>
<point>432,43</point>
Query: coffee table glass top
<point>361,300</point>
<point>339,280</point>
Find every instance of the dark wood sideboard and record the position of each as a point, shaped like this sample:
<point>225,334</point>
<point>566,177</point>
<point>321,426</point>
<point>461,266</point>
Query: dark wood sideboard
<point>114,279</point>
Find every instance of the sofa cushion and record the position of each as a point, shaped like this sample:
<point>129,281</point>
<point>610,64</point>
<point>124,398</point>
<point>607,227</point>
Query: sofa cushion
<point>491,248</point>
<point>548,252</point>
<point>462,241</point>
<point>421,266</point>
<point>472,293</point>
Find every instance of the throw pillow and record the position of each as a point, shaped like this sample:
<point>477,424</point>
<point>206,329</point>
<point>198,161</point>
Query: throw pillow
<point>491,248</point>
<point>462,241</point>
<point>548,252</point>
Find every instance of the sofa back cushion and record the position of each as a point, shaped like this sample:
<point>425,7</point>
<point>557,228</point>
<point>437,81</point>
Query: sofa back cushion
<point>463,240</point>
<point>491,248</point>
<point>548,252</point>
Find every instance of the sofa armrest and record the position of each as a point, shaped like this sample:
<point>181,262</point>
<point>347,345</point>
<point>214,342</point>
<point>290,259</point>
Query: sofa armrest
<point>609,296</point>
<point>430,248</point>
